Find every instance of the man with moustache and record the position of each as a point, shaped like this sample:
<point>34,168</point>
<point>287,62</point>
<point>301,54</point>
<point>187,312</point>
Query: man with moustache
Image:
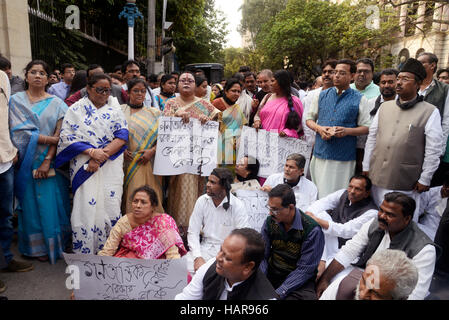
<point>338,115</point>
<point>392,229</point>
<point>389,275</point>
<point>341,215</point>
<point>387,86</point>
<point>234,273</point>
<point>131,69</point>
<point>264,83</point>
<point>404,142</point>
<point>214,216</point>
<point>327,81</point>
<point>305,190</point>
<point>293,247</point>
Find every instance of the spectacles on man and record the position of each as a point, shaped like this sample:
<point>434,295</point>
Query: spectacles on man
<point>102,90</point>
<point>274,211</point>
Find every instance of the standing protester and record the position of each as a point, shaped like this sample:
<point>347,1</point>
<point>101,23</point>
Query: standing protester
<point>167,90</point>
<point>131,69</point>
<point>141,147</point>
<point>93,136</point>
<point>280,111</point>
<point>16,83</point>
<point>443,75</point>
<point>404,142</point>
<point>35,119</point>
<point>363,80</point>
<point>61,89</point>
<point>8,157</point>
<point>436,93</point>
<point>184,189</point>
<point>338,115</point>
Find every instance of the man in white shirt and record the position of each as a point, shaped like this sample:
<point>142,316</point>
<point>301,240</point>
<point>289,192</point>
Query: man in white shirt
<point>214,216</point>
<point>349,209</point>
<point>393,229</point>
<point>305,190</point>
<point>8,156</point>
<point>404,141</point>
<point>234,273</point>
<point>431,207</point>
<point>131,69</point>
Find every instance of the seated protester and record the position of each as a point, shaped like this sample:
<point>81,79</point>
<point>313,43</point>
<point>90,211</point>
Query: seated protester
<point>116,90</point>
<point>215,215</point>
<point>389,275</point>
<point>305,190</point>
<point>144,233</point>
<point>393,229</point>
<point>341,214</point>
<point>293,246</point>
<point>246,171</point>
<point>432,204</point>
<point>234,273</point>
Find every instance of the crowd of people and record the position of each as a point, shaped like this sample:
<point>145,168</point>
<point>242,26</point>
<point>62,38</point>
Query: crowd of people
<point>366,219</point>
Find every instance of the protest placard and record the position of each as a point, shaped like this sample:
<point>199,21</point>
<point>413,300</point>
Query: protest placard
<point>271,150</point>
<point>255,202</point>
<point>109,278</point>
<point>186,147</point>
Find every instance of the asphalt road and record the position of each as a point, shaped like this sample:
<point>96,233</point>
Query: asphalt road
<point>47,282</point>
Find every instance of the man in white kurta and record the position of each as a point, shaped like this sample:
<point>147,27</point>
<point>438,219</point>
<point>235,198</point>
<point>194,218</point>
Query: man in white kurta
<point>212,221</point>
<point>305,190</point>
<point>351,208</point>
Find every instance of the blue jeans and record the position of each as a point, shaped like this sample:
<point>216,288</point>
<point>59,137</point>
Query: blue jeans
<point>6,211</point>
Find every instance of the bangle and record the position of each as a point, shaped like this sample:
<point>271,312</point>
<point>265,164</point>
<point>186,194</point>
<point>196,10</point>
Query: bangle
<point>48,158</point>
<point>91,151</point>
<point>45,140</point>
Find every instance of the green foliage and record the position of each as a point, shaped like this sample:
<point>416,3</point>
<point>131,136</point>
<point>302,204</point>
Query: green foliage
<point>309,32</point>
<point>234,58</point>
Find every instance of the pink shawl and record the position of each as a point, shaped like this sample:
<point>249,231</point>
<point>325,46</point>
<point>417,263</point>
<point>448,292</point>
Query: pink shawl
<point>152,239</point>
<point>274,113</point>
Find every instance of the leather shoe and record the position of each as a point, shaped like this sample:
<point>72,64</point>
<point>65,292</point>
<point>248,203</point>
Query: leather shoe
<point>18,266</point>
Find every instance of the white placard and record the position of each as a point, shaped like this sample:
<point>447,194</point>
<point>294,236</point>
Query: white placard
<point>186,147</point>
<point>255,203</point>
<point>271,150</point>
<point>110,278</point>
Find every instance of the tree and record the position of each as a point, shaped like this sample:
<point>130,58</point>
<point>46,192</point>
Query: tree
<point>204,40</point>
<point>309,32</point>
<point>234,58</point>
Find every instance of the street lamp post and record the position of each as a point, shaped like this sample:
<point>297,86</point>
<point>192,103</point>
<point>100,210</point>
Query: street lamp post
<point>130,12</point>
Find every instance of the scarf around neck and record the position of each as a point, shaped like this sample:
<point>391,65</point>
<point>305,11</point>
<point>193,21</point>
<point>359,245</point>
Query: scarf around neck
<point>409,104</point>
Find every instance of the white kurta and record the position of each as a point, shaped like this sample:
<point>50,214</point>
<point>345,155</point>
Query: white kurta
<point>431,208</point>
<point>215,224</point>
<point>305,191</point>
<point>351,251</point>
<point>343,230</point>
<point>332,175</point>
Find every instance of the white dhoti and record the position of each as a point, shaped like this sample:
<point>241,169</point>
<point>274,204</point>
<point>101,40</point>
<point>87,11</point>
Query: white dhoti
<point>331,175</point>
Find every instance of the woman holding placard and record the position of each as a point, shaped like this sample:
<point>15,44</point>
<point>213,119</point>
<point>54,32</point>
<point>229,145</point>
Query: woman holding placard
<point>184,189</point>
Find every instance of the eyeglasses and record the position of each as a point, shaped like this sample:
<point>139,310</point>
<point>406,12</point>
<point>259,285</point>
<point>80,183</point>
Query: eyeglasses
<point>41,73</point>
<point>187,81</point>
<point>102,90</point>
<point>274,211</point>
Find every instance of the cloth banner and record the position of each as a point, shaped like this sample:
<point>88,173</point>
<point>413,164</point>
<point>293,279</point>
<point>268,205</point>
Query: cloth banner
<point>186,147</point>
<point>108,278</point>
<point>271,150</point>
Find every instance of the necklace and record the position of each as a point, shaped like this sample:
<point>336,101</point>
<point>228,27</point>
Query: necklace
<point>34,99</point>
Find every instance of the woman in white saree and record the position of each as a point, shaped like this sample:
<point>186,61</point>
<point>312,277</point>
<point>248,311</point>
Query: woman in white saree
<point>93,137</point>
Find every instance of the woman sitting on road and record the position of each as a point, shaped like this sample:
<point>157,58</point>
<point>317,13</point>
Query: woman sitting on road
<point>143,233</point>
